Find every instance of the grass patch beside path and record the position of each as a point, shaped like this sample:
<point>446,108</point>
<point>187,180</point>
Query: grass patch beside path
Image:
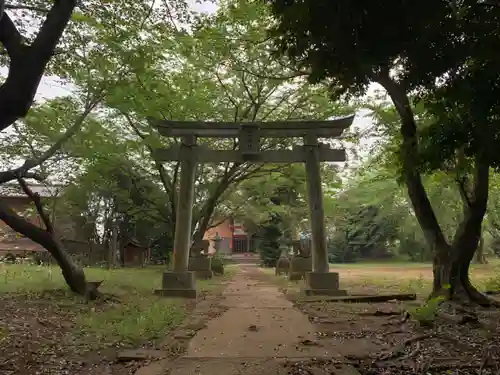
<point>37,304</point>
<point>373,278</point>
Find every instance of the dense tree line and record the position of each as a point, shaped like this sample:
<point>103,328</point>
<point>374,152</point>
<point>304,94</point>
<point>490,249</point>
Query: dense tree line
<point>428,190</point>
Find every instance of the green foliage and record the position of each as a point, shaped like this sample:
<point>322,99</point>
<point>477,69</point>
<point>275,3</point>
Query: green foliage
<point>427,313</point>
<point>253,201</point>
<point>130,324</point>
<point>431,62</point>
<point>340,40</point>
<point>217,265</point>
<point>171,73</point>
<point>339,250</point>
<point>364,233</point>
<point>414,247</point>
<point>270,246</point>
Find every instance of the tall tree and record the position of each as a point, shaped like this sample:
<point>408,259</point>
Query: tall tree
<point>205,76</point>
<point>28,55</point>
<point>436,44</point>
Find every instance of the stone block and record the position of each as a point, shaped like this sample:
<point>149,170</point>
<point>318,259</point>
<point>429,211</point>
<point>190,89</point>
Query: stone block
<point>204,275</point>
<point>282,266</point>
<point>201,266</point>
<point>295,276</point>
<point>299,266</point>
<point>178,284</point>
<point>323,284</point>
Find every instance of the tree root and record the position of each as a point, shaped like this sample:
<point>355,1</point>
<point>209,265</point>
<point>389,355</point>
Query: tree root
<point>466,318</point>
<point>380,313</point>
<point>399,349</point>
<point>92,293</point>
<point>429,366</point>
<point>365,298</point>
<point>492,292</point>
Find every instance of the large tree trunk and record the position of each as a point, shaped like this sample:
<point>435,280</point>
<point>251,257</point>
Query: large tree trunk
<point>72,273</point>
<point>451,277</point>
<point>451,262</point>
<point>455,271</point>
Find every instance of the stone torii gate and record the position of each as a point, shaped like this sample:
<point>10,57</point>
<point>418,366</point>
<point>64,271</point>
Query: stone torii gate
<point>180,282</point>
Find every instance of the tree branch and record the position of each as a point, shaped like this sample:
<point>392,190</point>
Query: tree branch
<point>226,91</point>
<point>23,171</point>
<point>424,211</point>
<point>278,78</point>
<point>27,7</point>
<point>10,37</point>
<point>35,197</point>
<point>167,183</point>
<point>463,190</point>
<point>27,64</point>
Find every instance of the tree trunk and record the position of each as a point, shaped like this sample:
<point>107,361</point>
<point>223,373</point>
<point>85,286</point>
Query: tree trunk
<point>204,221</point>
<point>113,245</point>
<point>28,63</point>
<point>451,262</point>
<point>451,277</point>
<point>72,273</point>
<point>124,237</point>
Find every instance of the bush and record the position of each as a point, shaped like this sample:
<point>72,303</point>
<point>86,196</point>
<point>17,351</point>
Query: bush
<point>217,265</point>
<point>416,249</point>
<point>269,255</point>
<point>495,246</point>
<point>339,251</point>
<point>270,249</point>
<point>426,314</point>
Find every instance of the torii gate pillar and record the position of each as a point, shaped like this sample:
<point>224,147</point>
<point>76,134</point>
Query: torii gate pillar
<point>320,281</point>
<point>180,282</point>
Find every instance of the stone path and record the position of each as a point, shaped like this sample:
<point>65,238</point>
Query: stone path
<point>257,334</point>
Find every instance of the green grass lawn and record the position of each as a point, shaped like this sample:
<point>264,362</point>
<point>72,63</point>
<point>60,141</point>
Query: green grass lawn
<point>133,315</point>
<point>397,277</point>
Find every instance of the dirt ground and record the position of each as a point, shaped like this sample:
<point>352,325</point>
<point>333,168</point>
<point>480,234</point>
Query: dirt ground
<point>52,332</point>
<point>380,339</point>
<point>248,326</point>
<point>37,337</point>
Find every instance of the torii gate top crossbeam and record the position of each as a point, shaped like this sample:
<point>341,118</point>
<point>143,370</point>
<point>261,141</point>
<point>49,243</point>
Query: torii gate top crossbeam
<point>274,129</point>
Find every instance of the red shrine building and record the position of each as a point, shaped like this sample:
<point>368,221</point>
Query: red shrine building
<point>234,239</point>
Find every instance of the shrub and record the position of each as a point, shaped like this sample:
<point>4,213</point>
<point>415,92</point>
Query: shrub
<point>426,314</point>
<point>217,265</point>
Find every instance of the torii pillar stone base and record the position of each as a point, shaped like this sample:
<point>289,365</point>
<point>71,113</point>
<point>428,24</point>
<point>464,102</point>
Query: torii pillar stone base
<point>323,284</point>
<point>178,284</point>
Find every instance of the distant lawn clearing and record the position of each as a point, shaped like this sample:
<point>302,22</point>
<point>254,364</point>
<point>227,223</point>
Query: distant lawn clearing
<point>389,277</point>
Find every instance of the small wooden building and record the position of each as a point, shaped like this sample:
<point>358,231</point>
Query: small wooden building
<point>135,254</point>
